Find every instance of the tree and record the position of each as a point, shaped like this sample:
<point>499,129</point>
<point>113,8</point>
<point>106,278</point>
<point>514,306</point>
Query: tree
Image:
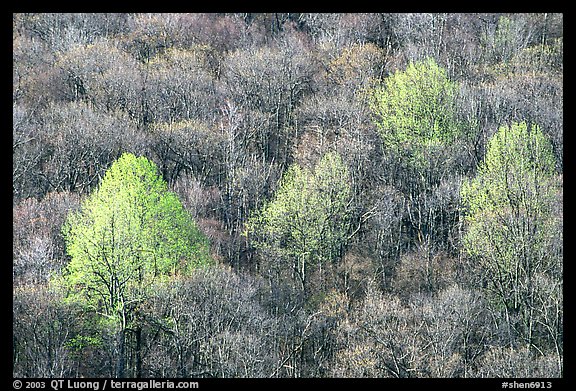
<point>210,324</point>
<point>512,230</point>
<point>127,235</point>
<point>505,37</point>
<point>430,336</point>
<point>42,329</point>
<point>27,154</point>
<point>377,339</point>
<point>424,144</point>
<point>378,267</point>
<point>306,223</point>
<point>38,247</point>
<point>269,82</point>
<point>80,143</point>
<point>416,108</point>
<point>519,363</point>
<point>179,86</point>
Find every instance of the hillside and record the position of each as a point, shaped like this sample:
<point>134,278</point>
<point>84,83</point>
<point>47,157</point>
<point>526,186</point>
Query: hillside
<point>287,195</point>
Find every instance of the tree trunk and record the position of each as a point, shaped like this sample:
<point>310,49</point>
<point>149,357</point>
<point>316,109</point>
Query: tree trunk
<point>121,365</point>
<point>139,352</point>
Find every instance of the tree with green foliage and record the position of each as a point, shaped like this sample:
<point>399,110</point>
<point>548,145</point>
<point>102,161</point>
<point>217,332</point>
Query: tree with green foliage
<point>513,227</point>
<point>306,224</point>
<point>130,233</point>
<point>424,142</point>
<point>416,108</point>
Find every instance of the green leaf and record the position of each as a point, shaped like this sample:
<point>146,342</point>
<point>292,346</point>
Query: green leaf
<point>307,219</point>
<point>129,232</point>
<point>416,109</point>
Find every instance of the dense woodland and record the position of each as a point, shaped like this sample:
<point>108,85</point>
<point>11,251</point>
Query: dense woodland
<point>317,195</point>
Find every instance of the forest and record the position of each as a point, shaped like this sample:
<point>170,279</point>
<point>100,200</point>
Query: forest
<point>287,195</point>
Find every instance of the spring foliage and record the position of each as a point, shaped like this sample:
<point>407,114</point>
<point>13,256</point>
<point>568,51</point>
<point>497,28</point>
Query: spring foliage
<point>511,220</point>
<point>515,180</point>
<point>416,107</point>
<point>307,221</point>
<point>386,251</point>
<point>127,233</point>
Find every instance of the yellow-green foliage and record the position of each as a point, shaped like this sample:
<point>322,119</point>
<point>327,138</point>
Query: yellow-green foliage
<point>416,108</point>
<point>308,217</point>
<point>128,233</point>
<point>508,203</point>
